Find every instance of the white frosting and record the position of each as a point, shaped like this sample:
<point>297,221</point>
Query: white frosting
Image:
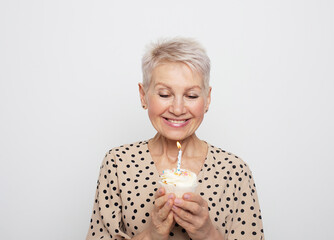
<point>183,178</point>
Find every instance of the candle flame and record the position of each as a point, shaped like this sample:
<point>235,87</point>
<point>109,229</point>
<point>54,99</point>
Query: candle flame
<point>178,145</point>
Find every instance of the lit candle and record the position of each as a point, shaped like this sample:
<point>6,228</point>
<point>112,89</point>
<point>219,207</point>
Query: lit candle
<point>179,156</point>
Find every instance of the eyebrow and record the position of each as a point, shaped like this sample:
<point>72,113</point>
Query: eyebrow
<point>164,85</point>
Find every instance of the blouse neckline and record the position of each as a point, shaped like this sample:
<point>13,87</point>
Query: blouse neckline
<point>200,173</point>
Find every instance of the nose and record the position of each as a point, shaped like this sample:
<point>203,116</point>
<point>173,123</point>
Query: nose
<point>178,107</point>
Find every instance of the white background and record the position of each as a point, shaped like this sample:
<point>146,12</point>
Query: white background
<point>68,93</point>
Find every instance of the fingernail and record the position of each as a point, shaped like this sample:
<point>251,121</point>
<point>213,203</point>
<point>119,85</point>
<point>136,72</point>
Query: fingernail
<point>160,190</point>
<point>170,196</point>
<point>177,201</point>
<point>186,196</point>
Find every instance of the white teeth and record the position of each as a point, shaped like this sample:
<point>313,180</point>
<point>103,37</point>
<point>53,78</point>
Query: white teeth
<point>176,121</point>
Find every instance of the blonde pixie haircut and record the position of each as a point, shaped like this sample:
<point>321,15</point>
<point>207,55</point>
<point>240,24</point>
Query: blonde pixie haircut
<point>184,50</point>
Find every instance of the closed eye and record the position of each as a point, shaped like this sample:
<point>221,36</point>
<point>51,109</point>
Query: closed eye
<point>192,96</point>
<point>163,95</point>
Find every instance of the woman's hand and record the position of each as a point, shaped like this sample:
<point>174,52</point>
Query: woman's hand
<point>192,214</point>
<point>162,216</point>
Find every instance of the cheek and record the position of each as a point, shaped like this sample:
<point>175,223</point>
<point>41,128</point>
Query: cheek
<point>156,107</point>
<point>198,108</point>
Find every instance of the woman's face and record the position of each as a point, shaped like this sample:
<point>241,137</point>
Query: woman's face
<point>176,100</point>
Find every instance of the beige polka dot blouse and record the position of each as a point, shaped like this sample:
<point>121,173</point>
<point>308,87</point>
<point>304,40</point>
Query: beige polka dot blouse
<point>129,179</point>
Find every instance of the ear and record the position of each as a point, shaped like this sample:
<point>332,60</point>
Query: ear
<point>208,99</point>
<point>142,95</point>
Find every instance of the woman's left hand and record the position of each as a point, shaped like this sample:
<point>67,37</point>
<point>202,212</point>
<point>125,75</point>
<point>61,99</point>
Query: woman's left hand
<point>191,212</point>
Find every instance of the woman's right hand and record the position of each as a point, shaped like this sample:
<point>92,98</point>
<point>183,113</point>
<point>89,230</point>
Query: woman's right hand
<point>162,216</point>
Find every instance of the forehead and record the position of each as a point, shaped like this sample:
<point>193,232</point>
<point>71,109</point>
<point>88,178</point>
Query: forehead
<point>176,74</point>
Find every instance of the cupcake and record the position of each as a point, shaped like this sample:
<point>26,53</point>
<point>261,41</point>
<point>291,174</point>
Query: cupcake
<point>178,182</point>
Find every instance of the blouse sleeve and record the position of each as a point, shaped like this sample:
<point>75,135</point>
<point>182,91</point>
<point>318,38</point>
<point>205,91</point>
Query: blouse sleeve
<point>246,220</point>
<point>106,221</point>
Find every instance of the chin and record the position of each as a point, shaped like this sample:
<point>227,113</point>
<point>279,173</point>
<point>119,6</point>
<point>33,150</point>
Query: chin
<point>176,137</point>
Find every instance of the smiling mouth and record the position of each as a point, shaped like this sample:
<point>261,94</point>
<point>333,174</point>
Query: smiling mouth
<point>176,121</point>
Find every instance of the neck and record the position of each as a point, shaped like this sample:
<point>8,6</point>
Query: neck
<point>167,148</point>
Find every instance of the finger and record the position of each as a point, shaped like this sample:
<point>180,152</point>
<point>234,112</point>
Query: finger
<point>193,197</point>
<point>183,223</point>
<point>161,201</point>
<point>164,212</point>
<point>170,218</point>
<point>184,215</point>
<point>161,191</point>
<point>188,206</point>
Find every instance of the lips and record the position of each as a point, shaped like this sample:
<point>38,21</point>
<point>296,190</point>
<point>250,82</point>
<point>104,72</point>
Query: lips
<point>176,122</point>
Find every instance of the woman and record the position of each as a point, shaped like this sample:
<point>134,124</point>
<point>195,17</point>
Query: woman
<point>130,204</point>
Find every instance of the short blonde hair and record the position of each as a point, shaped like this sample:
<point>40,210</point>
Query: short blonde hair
<point>184,50</point>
